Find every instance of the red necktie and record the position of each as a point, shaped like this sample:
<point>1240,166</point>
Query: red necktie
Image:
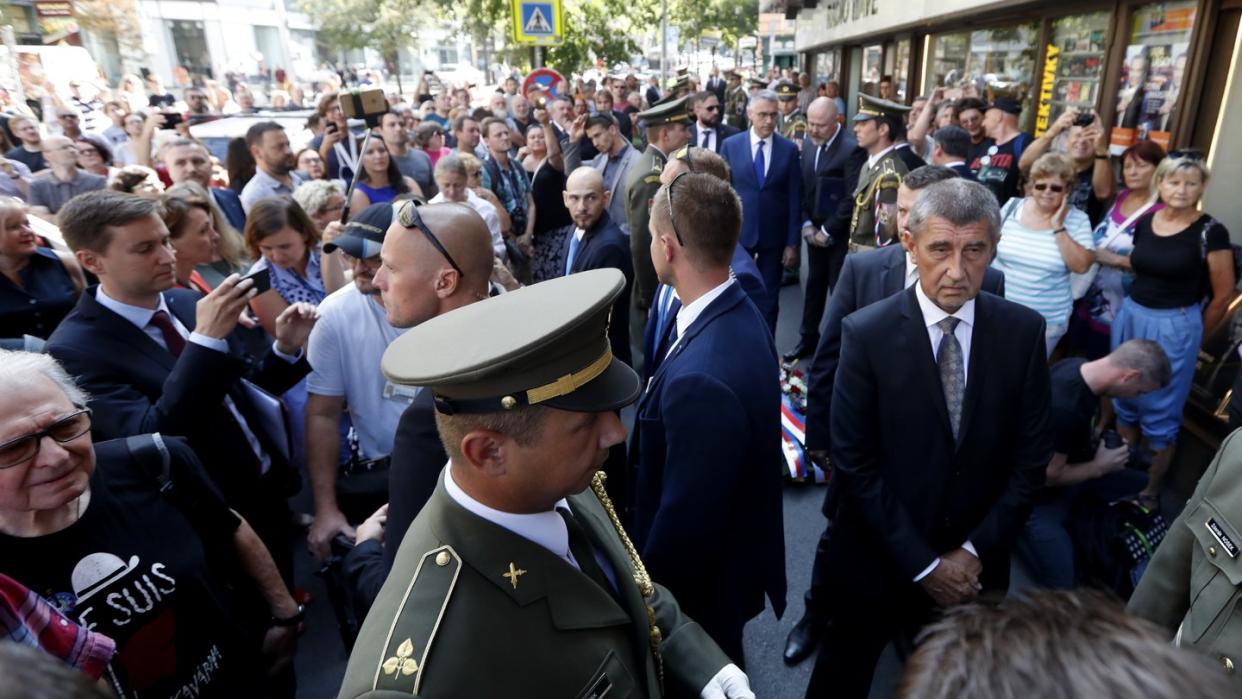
<point>172,338</point>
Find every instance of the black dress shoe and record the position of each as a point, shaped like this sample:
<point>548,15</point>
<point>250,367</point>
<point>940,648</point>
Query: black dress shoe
<point>803,639</point>
<point>803,350</point>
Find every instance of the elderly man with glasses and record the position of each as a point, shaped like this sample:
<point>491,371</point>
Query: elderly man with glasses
<point>63,180</point>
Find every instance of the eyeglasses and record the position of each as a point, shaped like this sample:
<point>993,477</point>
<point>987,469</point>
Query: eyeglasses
<point>407,216</point>
<point>1044,186</point>
<point>712,108</point>
<point>668,194</point>
<point>65,430</point>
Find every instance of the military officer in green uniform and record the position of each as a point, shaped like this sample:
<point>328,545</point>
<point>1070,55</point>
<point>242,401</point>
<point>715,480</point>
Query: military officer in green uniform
<point>874,223</point>
<point>668,128</point>
<point>1192,587</point>
<point>516,579</point>
<point>736,99</point>
<point>792,123</point>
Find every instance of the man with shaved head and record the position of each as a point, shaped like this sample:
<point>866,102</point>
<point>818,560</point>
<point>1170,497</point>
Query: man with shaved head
<point>594,241</point>
<point>63,180</point>
<point>434,260</point>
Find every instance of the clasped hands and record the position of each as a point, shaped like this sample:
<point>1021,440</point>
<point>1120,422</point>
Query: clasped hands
<point>955,579</point>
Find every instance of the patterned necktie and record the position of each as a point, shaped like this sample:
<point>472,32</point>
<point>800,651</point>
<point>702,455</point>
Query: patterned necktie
<point>172,338</point>
<point>759,164</point>
<point>952,372</point>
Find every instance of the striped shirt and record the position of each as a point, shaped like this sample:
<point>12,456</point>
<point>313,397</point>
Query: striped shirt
<point>1035,272</point>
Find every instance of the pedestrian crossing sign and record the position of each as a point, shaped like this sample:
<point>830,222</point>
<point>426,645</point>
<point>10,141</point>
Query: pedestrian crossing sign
<point>537,22</point>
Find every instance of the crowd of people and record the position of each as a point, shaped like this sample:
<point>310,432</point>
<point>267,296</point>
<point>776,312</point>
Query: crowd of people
<point>431,322</point>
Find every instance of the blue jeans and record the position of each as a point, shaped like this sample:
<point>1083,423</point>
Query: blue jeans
<point>1045,544</point>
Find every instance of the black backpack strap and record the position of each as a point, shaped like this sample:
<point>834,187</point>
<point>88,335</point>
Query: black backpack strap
<point>150,453</point>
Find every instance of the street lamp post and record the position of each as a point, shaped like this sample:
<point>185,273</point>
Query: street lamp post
<point>663,42</point>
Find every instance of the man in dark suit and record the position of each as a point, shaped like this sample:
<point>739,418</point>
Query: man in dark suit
<point>767,177</point>
<point>716,84</point>
<point>709,129</point>
<point>187,160</point>
<point>940,438</point>
<point>666,304</point>
<point>157,359</point>
<point>706,447</point>
<point>831,161</point>
<point>595,242</point>
<point>653,94</point>
<point>951,150</point>
<point>865,279</point>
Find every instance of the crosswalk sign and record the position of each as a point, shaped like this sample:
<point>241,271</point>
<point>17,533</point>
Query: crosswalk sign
<point>537,22</point>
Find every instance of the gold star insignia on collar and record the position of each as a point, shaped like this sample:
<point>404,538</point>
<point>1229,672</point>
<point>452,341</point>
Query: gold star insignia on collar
<point>402,662</point>
<point>513,574</point>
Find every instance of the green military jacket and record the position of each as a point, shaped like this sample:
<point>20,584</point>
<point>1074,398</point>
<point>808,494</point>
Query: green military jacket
<point>874,221</point>
<point>644,181</point>
<point>1193,585</point>
<point>793,126</point>
<point>735,107</point>
<point>474,610</point>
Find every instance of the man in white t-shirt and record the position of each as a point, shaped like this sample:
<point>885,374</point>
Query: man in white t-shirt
<point>345,351</point>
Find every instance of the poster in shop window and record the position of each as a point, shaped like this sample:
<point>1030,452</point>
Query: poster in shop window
<point>1151,77</point>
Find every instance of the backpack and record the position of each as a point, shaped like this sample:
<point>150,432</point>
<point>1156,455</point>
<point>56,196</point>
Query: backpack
<point>1114,542</point>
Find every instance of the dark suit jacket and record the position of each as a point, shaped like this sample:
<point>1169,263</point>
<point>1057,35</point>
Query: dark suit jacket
<point>706,455</point>
<point>137,386</point>
<point>837,172</point>
<point>963,171</point>
<point>653,96</point>
<point>771,216</point>
<point>723,131</point>
<point>230,204</point>
<point>745,271</point>
<point>717,85</point>
<point>865,278</point>
<point>910,491</point>
<point>601,247</point>
<point>909,157</point>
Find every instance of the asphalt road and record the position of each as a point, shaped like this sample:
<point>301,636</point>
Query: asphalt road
<point>321,658</point>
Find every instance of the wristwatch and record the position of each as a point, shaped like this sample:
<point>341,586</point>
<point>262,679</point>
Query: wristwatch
<point>294,620</point>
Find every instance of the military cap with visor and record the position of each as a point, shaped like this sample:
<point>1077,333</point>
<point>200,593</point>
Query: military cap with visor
<point>786,90</point>
<point>544,344</point>
<point>875,108</point>
<point>666,111</point>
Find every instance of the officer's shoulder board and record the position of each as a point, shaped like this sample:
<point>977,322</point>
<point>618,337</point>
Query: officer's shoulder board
<point>404,655</point>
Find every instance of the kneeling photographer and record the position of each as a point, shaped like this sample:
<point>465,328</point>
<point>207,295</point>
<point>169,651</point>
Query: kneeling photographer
<point>1083,474</point>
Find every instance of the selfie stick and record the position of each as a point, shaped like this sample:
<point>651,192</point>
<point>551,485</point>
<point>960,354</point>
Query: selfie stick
<point>372,121</point>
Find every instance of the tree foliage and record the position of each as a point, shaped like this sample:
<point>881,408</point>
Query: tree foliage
<point>732,18</point>
<point>386,26</point>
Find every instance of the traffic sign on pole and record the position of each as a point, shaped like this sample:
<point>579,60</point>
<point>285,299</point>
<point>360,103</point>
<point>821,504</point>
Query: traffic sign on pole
<point>545,79</point>
<point>538,22</point>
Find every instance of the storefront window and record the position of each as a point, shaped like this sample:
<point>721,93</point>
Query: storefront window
<point>827,67</point>
<point>1151,77</point>
<point>871,69</point>
<point>1073,67</point>
<point>985,64</point>
<point>901,70</point>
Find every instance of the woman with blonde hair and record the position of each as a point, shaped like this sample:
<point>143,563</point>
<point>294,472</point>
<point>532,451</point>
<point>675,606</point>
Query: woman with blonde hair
<point>1043,239</point>
<point>38,285</point>
<point>1180,254</point>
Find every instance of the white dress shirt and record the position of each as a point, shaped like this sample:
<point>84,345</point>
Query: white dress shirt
<point>689,313</point>
<point>710,132</point>
<point>872,160</point>
<point>546,529</point>
<point>933,314</point>
<point>767,150</point>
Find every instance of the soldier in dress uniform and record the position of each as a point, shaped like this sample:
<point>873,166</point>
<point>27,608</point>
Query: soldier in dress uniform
<point>874,223</point>
<point>517,578</point>
<point>736,99</point>
<point>668,128</point>
<point>792,124</point>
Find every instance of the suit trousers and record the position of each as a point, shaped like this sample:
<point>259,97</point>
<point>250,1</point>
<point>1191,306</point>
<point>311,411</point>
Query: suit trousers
<point>823,268</point>
<point>861,629</point>
<point>769,262</point>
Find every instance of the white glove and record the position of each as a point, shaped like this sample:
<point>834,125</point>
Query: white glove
<point>729,683</point>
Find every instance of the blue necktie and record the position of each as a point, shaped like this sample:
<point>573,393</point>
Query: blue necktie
<point>759,164</point>
<point>574,242</point>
